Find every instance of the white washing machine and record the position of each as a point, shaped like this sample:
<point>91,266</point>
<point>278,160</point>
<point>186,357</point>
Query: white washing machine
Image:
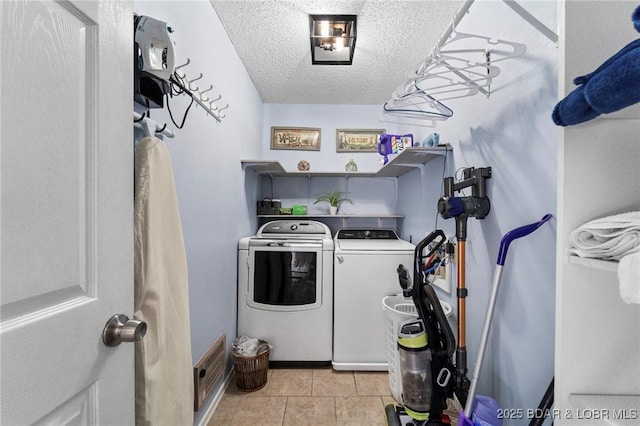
<point>365,264</point>
<point>285,289</point>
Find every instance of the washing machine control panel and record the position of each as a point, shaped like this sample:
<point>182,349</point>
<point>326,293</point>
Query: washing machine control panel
<point>367,234</point>
<point>294,227</point>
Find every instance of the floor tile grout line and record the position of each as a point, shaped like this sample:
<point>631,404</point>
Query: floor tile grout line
<point>284,414</point>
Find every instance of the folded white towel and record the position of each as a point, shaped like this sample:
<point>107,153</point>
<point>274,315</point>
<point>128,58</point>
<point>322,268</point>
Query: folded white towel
<point>608,238</point>
<point>629,278</point>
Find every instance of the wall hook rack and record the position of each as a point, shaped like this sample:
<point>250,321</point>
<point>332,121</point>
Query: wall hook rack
<point>180,79</point>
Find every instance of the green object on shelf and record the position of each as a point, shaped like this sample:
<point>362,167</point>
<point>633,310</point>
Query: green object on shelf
<point>299,210</point>
<point>334,198</point>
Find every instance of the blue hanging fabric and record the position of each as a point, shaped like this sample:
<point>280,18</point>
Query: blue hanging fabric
<point>614,85</point>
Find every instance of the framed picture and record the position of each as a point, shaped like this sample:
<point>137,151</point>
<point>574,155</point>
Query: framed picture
<point>357,140</point>
<point>297,138</point>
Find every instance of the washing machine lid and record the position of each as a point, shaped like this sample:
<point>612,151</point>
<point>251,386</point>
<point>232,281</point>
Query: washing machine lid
<point>370,240</point>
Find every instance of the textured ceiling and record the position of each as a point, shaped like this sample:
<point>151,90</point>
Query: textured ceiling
<point>272,40</point>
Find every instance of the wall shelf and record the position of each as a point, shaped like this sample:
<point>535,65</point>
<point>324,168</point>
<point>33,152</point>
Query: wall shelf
<point>605,265</point>
<point>606,401</point>
<point>400,164</point>
<point>331,216</point>
<point>403,163</point>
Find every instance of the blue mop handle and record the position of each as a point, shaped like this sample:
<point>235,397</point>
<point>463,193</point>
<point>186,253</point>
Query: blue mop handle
<point>514,234</point>
<point>484,336</point>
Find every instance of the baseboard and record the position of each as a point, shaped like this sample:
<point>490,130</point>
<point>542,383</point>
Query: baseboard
<point>299,364</point>
<point>215,400</point>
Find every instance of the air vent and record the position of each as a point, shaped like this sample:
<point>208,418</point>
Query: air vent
<point>208,370</point>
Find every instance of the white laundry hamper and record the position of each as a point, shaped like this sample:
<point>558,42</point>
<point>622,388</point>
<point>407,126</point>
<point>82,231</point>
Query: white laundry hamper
<point>398,309</point>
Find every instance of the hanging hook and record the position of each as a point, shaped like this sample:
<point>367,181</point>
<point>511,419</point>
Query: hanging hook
<point>144,114</point>
<point>180,74</point>
<point>212,105</point>
<point>202,92</point>
<point>191,81</point>
<point>222,109</point>
<point>195,79</point>
<point>183,65</point>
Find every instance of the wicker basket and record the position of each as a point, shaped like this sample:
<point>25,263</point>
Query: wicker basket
<point>251,371</point>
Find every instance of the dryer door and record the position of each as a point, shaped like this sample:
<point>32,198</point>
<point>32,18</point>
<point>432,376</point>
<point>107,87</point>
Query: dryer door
<point>285,275</point>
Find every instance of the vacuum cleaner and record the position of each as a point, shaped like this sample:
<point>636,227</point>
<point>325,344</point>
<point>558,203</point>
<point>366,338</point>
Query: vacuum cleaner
<point>447,378</point>
<point>425,345</point>
<point>462,208</point>
<point>425,348</point>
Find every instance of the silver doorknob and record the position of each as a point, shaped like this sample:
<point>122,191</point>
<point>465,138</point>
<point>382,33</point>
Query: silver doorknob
<point>120,329</point>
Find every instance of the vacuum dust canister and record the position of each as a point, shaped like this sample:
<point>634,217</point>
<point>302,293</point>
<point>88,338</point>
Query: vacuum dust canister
<point>415,368</point>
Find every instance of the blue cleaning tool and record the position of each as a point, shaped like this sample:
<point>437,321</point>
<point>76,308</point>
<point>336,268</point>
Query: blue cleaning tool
<point>482,410</point>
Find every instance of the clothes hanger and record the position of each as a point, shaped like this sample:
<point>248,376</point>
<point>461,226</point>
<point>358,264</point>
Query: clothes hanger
<point>461,46</point>
<point>449,80</point>
<point>418,103</point>
<point>456,68</point>
<point>149,127</point>
<point>406,119</point>
<point>449,70</point>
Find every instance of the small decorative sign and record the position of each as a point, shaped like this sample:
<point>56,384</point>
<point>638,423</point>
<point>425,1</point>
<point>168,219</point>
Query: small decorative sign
<point>357,140</point>
<point>296,138</point>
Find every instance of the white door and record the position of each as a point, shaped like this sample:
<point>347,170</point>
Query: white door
<point>66,211</point>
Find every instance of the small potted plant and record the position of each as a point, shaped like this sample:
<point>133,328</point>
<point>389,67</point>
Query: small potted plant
<point>335,198</point>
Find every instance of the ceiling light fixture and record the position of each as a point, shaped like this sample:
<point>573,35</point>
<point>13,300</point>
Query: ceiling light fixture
<point>333,39</point>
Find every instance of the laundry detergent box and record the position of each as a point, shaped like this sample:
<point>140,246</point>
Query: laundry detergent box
<point>393,144</point>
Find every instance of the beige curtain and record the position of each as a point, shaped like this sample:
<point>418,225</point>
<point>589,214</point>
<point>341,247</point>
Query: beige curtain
<point>164,374</point>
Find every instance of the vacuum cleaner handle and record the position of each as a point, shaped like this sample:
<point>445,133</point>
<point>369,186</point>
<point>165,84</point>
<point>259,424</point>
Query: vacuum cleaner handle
<point>424,243</point>
<point>405,280</point>
<point>514,234</point>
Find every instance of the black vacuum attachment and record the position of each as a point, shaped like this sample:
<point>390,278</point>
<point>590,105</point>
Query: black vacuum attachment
<point>477,205</point>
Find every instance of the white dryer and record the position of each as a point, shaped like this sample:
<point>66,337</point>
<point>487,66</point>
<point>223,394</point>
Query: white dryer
<point>285,289</point>
<point>365,265</point>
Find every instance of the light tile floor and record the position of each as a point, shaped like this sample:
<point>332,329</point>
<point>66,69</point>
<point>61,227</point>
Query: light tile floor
<point>314,397</point>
